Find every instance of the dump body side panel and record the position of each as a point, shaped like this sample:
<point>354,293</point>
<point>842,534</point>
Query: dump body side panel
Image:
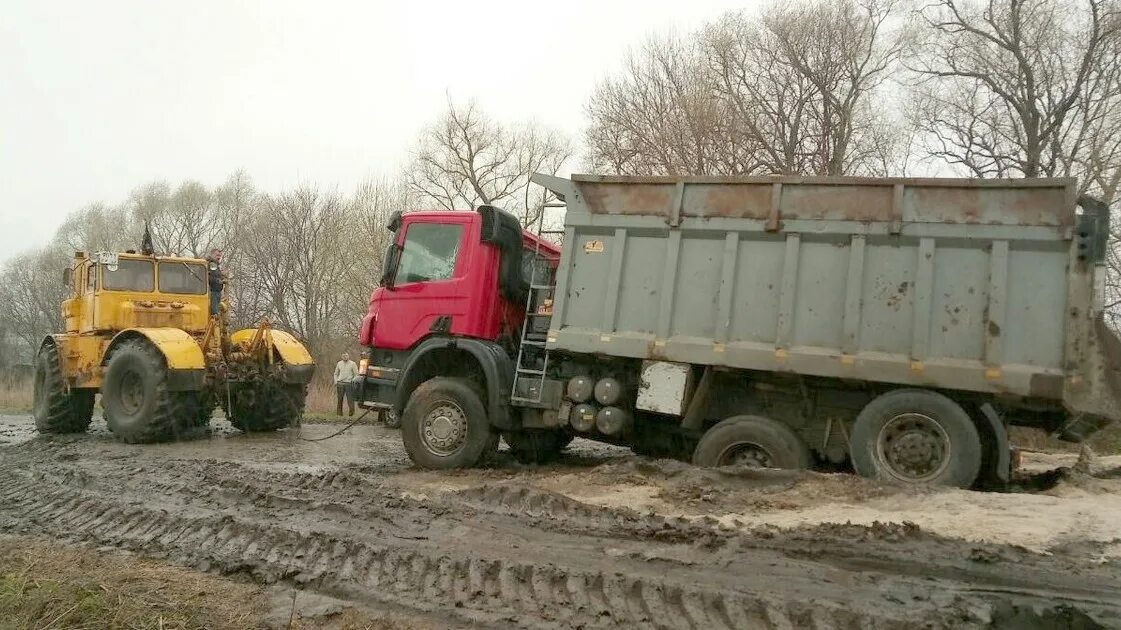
<point>953,284</point>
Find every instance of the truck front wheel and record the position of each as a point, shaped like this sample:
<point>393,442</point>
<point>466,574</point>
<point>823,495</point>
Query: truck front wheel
<point>916,436</point>
<point>445,425</point>
<point>752,441</point>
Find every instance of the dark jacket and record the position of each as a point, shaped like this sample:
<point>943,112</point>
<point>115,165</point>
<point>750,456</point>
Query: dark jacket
<point>214,275</point>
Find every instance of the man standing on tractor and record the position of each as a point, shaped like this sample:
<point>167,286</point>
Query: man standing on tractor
<point>345,373</point>
<point>215,280</point>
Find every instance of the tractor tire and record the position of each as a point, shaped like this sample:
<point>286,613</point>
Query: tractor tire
<point>916,436</point>
<point>536,446</point>
<point>57,409</point>
<point>270,405</point>
<point>445,425</point>
<point>138,407</point>
<point>754,441</point>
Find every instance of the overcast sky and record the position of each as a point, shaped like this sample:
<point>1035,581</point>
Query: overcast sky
<point>97,98</point>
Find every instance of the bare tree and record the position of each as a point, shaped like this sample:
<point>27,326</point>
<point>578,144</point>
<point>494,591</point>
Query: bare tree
<point>846,50</point>
<point>183,223</point>
<point>795,90</point>
<point>1020,87</point>
<point>661,116</point>
<point>302,248</point>
<point>371,208</point>
<point>467,159</point>
<point>98,227</point>
<point>31,294</point>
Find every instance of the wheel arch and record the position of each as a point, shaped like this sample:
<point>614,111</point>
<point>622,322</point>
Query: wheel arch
<point>299,364</point>
<point>484,362</point>
<point>182,355</point>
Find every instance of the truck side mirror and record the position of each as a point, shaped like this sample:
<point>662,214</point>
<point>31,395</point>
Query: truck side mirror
<point>67,276</point>
<point>389,266</point>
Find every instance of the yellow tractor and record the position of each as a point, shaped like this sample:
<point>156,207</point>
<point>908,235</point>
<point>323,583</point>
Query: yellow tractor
<point>139,329</point>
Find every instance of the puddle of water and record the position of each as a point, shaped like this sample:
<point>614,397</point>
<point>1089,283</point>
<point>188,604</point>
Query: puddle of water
<point>224,443</point>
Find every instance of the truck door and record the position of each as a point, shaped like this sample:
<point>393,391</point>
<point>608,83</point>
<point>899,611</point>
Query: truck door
<point>427,292</point>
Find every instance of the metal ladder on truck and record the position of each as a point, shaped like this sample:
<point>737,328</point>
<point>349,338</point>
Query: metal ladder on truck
<point>540,293</point>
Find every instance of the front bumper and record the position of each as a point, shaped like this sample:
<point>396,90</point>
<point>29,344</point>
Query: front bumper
<point>377,392</point>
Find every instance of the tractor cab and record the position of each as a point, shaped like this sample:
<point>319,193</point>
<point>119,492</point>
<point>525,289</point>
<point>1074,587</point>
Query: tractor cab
<point>112,292</point>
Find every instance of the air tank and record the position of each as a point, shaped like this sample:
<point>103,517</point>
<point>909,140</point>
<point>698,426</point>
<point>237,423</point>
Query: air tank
<point>613,421</point>
<point>580,389</point>
<point>583,418</point>
<point>608,391</point>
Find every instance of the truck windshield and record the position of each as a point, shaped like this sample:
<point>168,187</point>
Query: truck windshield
<point>182,278</point>
<point>131,275</point>
<point>430,252</point>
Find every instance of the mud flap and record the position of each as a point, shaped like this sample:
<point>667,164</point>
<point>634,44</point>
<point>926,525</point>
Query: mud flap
<point>997,465</point>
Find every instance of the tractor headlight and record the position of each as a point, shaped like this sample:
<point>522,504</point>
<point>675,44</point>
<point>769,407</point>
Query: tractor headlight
<point>363,365</point>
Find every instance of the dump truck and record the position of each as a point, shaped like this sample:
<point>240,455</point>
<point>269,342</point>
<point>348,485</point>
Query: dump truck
<point>895,327</point>
<point>139,331</point>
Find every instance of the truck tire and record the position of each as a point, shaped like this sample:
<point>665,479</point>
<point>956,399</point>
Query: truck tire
<point>268,405</point>
<point>445,425</point>
<point>753,441</point>
<point>138,406</point>
<point>536,446</point>
<point>916,436</point>
<point>57,410</point>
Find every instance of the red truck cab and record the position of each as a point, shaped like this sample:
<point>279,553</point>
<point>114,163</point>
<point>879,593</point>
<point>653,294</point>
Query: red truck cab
<point>451,305</point>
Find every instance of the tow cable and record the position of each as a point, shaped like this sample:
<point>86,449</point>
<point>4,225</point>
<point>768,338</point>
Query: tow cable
<point>336,433</point>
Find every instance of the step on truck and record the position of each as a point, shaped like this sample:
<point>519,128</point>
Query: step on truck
<point>895,327</point>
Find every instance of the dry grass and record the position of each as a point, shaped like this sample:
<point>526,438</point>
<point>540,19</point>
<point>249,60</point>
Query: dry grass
<point>15,395</point>
<point>44,586</point>
<point>320,398</point>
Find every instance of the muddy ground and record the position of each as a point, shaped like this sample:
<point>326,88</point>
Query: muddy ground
<point>600,539</point>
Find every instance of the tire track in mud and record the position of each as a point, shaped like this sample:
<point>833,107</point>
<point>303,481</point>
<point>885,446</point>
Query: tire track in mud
<point>352,534</point>
<point>492,590</point>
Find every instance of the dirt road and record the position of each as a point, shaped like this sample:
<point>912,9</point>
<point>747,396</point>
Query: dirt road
<point>601,539</point>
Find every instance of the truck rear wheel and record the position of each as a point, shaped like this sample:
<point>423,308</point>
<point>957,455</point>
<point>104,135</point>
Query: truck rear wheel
<point>57,410</point>
<point>138,406</point>
<point>445,425</point>
<point>752,441</point>
<point>916,436</point>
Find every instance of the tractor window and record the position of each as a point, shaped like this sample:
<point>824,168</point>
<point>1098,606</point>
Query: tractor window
<point>182,278</point>
<point>430,252</point>
<point>91,278</point>
<point>131,275</point>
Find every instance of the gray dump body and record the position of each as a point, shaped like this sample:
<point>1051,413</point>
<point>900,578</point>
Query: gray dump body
<point>981,286</point>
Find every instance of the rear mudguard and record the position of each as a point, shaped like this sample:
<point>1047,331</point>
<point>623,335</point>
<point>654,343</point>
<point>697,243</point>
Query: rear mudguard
<point>299,366</point>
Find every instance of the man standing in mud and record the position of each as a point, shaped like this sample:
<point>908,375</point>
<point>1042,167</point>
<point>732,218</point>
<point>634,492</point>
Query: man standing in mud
<point>345,373</point>
<point>215,280</point>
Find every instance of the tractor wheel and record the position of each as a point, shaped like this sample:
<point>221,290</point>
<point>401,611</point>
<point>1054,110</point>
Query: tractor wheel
<point>267,405</point>
<point>196,425</point>
<point>536,446</point>
<point>56,409</point>
<point>445,425</point>
<point>138,406</point>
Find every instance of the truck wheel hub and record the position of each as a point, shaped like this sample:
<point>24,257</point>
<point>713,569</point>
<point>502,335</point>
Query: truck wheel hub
<point>914,447</point>
<point>444,429</point>
<point>750,455</point>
